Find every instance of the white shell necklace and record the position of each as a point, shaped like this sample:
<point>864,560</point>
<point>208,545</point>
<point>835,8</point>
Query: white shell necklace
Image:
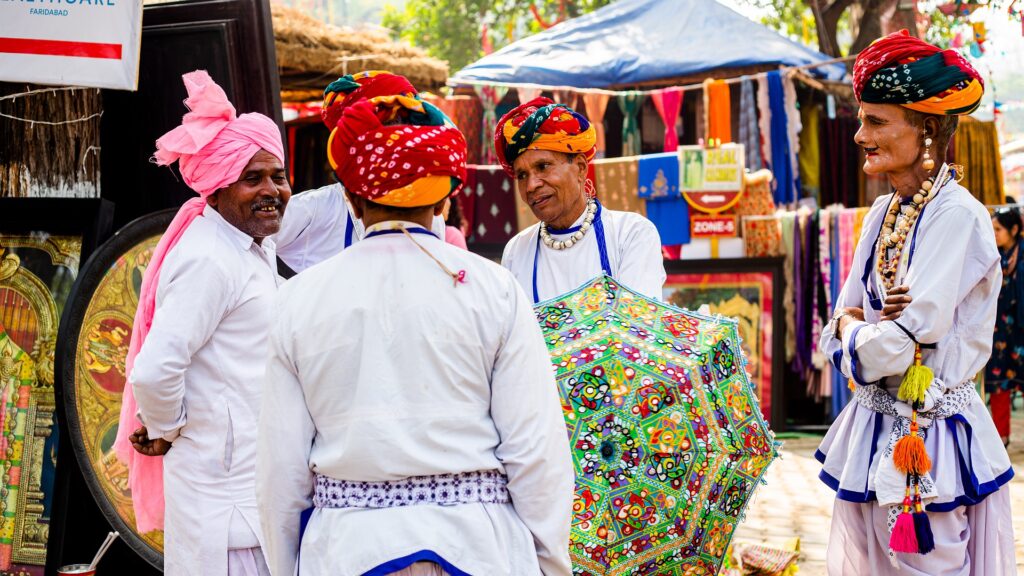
<point>588,221</point>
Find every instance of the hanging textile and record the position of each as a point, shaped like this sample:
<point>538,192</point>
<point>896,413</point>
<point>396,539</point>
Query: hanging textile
<point>494,212</point>
<point>468,119</point>
<point>809,159</point>
<point>596,104</point>
<point>568,97</point>
<point>668,103</point>
<point>757,194</point>
<point>764,121</point>
<point>762,236</point>
<point>794,126</point>
<point>527,94</point>
<point>718,111</point>
<point>840,170</point>
<point>671,216</point>
<point>467,201</point>
<point>658,176</point>
<point>842,221</point>
<point>823,291</point>
<point>750,135</point>
<point>616,180</point>
<point>977,150</point>
<point>788,305</point>
<point>783,161</point>
<point>630,103</point>
<point>490,96</point>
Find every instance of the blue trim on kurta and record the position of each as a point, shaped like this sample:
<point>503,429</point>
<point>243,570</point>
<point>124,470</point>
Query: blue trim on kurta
<point>409,230</point>
<point>349,226</point>
<point>602,248</point>
<point>397,564</point>
<point>854,358</point>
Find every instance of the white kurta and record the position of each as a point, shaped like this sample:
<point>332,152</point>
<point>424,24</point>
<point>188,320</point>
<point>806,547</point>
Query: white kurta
<point>315,225</point>
<point>954,279</point>
<point>634,253</point>
<point>197,381</point>
<point>382,370</point>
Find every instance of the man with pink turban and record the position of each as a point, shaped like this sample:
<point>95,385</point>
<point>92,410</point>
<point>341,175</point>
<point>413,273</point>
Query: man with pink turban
<point>198,349</point>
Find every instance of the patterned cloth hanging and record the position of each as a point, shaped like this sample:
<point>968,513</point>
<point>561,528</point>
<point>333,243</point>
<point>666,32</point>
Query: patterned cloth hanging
<point>494,215</point>
<point>527,94</point>
<point>596,105</point>
<point>750,134</point>
<point>630,103</point>
<point>615,180</point>
<point>783,161</point>
<point>490,96</point>
<point>668,102</point>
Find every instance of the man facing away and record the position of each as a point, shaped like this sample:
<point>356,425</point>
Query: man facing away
<point>206,302</point>
<point>409,397</point>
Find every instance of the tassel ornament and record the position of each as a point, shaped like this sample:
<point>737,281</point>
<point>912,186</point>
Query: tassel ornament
<point>904,536</point>
<point>909,454</point>
<point>916,380</point>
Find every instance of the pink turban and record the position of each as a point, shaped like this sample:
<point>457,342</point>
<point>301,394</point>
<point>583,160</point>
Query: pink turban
<point>212,147</point>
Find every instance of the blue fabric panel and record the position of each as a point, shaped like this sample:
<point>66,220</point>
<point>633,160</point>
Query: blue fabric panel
<point>672,219</point>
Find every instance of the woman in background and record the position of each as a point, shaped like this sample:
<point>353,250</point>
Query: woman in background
<point>1005,373</point>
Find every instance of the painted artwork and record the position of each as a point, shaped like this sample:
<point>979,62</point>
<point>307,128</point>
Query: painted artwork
<point>746,296</point>
<point>100,316</point>
<point>100,375</point>
<point>36,274</point>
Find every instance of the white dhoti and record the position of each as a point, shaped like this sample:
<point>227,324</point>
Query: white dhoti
<point>969,541</point>
<point>247,562</point>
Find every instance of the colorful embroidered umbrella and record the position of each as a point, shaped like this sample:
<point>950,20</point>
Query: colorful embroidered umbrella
<point>668,441</point>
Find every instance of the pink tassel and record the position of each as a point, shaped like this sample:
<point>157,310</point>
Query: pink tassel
<point>904,537</point>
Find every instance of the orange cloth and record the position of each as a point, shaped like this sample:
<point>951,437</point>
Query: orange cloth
<point>718,106</point>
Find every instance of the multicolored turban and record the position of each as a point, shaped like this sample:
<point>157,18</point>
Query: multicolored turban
<point>352,88</point>
<point>901,69</point>
<point>212,148</point>
<point>398,151</point>
<point>541,124</point>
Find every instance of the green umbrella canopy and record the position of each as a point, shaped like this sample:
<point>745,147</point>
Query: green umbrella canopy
<point>668,441</point>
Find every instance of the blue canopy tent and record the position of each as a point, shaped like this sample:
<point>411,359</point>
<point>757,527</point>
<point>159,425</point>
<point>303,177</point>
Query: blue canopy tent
<point>643,42</point>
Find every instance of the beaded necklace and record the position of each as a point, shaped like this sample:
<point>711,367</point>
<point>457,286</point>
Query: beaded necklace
<point>576,236</point>
<point>894,231</point>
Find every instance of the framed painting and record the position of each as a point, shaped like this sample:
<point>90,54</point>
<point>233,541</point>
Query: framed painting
<point>94,347</point>
<point>42,242</point>
<point>750,290</point>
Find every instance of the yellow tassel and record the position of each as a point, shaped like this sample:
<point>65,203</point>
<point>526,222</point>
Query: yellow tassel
<point>916,380</point>
<point>909,455</point>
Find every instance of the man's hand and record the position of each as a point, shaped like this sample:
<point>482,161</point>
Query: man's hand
<point>847,315</point>
<point>897,300</point>
<point>144,445</point>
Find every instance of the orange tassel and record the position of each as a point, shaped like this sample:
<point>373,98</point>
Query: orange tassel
<point>910,455</point>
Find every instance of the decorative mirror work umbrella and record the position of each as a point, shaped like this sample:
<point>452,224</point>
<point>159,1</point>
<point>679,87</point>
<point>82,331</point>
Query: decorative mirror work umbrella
<point>667,438</point>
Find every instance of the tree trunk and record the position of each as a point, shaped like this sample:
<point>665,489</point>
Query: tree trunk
<point>870,25</point>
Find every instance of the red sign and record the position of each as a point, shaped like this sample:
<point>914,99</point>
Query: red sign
<point>712,201</point>
<point>702,226</point>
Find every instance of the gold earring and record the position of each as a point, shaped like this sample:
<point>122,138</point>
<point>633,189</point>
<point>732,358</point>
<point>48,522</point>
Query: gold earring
<point>928,163</point>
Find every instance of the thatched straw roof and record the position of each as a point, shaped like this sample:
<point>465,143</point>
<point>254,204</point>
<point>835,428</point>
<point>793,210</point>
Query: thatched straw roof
<point>310,53</point>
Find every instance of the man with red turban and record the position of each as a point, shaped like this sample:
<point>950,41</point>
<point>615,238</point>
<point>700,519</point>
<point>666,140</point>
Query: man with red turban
<point>409,399</point>
<point>198,349</point>
<point>320,223</point>
<point>918,467</point>
<point>546,147</point>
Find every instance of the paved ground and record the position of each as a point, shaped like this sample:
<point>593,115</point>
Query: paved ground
<point>795,503</point>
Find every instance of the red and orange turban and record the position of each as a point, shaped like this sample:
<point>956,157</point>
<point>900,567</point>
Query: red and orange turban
<point>406,165</point>
<point>541,124</point>
<point>352,88</point>
<point>901,69</point>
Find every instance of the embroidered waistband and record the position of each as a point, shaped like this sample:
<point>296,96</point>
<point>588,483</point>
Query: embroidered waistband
<point>487,487</point>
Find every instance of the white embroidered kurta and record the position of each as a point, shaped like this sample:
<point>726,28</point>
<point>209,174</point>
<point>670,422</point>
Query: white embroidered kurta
<point>381,370</point>
<point>954,278</point>
<point>315,225</point>
<point>197,381</point>
<point>634,253</point>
